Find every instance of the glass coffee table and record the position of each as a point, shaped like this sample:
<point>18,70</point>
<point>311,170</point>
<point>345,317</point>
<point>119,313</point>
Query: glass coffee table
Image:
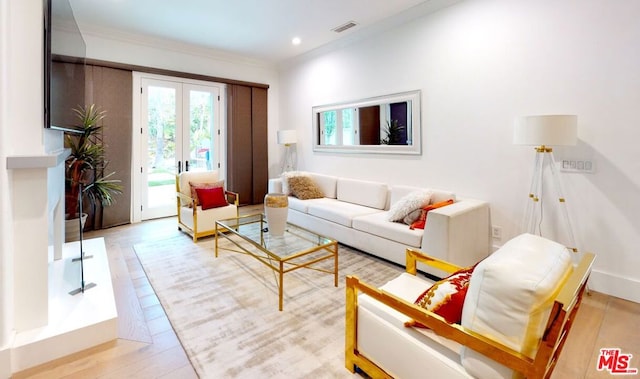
<point>297,248</point>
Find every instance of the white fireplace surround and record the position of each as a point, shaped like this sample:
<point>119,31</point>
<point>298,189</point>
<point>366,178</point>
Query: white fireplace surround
<point>49,323</point>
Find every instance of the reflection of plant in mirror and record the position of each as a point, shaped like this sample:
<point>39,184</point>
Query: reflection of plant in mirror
<point>394,134</point>
<point>329,123</point>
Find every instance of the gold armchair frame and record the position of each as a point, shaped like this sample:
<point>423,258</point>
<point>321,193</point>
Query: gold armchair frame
<point>563,313</point>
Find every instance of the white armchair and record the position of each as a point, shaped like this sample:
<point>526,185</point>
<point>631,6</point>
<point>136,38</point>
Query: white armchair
<point>519,307</point>
<point>218,203</point>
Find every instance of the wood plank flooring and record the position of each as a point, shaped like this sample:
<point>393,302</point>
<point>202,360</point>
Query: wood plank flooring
<point>147,346</point>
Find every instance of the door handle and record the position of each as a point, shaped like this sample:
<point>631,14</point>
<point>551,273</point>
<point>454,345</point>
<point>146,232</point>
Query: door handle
<point>186,165</point>
<point>179,167</point>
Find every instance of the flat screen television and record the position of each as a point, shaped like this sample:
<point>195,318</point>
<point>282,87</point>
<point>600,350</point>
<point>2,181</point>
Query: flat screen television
<point>64,66</point>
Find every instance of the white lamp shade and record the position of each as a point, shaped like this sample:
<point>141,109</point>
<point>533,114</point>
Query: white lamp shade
<point>286,137</point>
<point>548,130</point>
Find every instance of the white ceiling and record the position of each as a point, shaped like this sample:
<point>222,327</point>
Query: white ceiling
<point>256,29</point>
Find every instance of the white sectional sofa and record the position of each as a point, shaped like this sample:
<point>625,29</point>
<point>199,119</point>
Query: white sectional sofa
<point>355,213</point>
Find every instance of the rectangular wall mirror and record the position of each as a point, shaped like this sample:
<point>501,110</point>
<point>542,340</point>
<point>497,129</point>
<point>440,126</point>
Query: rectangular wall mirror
<point>379,125</point>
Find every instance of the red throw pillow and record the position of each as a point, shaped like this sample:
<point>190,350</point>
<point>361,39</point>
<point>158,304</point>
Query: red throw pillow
<point>446,297</point>
<point>194,186</point>
<point>211,197</point>
<point>422,220</point>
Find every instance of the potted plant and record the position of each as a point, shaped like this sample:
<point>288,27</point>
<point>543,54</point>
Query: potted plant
<point>85,168</point>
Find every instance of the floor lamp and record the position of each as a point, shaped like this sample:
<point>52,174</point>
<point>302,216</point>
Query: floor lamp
<point>287,138</point>
<point>543,132</point>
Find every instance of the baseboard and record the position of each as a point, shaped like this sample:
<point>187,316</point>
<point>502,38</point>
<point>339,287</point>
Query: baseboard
<point>615,285</point>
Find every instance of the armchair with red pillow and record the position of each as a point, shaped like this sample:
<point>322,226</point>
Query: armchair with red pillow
<point>201,201</point>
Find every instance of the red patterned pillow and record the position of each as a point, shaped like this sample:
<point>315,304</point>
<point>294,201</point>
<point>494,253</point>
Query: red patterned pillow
<point>446,297</point>
<point>422,219</point>
<point>211,197</point>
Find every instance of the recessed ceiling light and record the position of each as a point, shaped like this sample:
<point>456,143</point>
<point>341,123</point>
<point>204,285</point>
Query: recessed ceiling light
<point>296,40</point>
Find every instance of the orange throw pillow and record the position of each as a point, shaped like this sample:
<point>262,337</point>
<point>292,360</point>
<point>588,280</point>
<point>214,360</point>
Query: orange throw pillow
<point>422,220</point>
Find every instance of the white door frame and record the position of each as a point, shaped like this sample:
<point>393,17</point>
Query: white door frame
<point>136,154</point>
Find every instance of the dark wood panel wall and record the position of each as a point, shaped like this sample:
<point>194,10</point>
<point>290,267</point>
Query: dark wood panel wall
<point>247,156</point>
<point>109,85</point>
<point>111,90</point>
<point>259,144</point>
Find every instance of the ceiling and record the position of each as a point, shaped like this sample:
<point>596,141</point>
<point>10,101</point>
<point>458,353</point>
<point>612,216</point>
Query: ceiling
<point>260,30</point>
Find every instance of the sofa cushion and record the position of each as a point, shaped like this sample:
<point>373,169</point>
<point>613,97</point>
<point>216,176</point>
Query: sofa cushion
<point>326,183</point>
<point>303,205</point>
<point>379,225</point>
<point>361,192</point>
<point>304,188</point>
<point>408,203</point>
<point>340,212</point>
<point>510,297</point>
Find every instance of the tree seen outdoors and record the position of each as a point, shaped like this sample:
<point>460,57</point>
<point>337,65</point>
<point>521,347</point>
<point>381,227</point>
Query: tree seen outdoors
<point>162,128</point>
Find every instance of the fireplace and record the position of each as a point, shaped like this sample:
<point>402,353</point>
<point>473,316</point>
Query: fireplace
<point>50,322</point>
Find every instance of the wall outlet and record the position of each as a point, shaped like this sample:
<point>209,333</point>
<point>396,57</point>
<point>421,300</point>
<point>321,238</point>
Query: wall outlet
<point>580,166</point>
<point>496,232</point>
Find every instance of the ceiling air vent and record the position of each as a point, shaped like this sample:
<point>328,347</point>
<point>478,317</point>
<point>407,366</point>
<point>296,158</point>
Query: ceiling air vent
<point>342,28</point>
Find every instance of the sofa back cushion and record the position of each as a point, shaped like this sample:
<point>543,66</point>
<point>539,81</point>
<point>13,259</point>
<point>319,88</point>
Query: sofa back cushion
<point>399,191</point>
<point>327,183</point>
<point>361,192</point>
<point>510,296</point>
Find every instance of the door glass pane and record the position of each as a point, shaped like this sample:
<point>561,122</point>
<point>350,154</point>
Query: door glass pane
<point>201,131</point>
<point>347,127</point>
<point>161,169</point>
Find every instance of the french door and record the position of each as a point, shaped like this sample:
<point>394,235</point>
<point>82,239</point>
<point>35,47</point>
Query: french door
<point>179,131</point>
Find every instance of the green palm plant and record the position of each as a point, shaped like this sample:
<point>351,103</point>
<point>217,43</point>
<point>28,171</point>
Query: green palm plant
<point>85,166</point>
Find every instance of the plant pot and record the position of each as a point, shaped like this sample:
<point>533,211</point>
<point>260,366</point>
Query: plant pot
<point>72,228</point>
<point>276,207</point>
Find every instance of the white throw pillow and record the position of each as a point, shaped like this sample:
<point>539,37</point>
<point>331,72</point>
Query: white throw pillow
<point>409,203</point>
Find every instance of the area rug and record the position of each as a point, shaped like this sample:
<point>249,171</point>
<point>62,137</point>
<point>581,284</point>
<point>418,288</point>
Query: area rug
<point>225,310</point>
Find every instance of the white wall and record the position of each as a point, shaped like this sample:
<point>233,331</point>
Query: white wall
<point>21,133</point>
<point>480,64</point>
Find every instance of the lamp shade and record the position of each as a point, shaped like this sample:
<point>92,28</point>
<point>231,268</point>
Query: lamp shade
<point>286,137</point>
<point>548,130</point>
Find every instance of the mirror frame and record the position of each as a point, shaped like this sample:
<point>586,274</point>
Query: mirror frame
<point>413,97</point>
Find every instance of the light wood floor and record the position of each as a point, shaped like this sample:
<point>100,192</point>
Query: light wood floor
<point>147,346</point>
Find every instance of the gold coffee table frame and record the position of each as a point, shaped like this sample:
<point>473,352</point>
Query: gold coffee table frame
<point>297,248</point>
